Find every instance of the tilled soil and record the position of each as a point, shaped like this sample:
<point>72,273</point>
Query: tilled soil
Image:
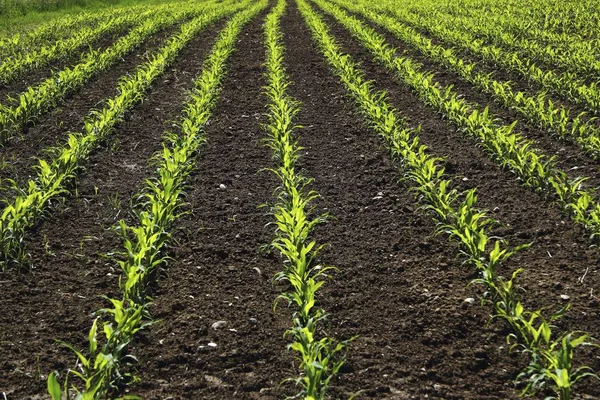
<point>398,290</point>
<point>218,337</point>
<point>37,75</point>
<point>71,253</point>
<point>569,155</point>
<point>561,261</point>
<point>52,128</point>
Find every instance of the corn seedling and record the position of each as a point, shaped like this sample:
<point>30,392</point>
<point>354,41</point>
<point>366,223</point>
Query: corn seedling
<point>320,359</point>
<point>463,222</point>
<point>506,147</point>
<point>54,177</point>
<point>102,372</point>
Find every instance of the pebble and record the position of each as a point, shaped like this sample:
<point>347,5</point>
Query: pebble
<point>470,300</point>
<point>222,187</point>
<point>219,324</point>
<point>564,297</point>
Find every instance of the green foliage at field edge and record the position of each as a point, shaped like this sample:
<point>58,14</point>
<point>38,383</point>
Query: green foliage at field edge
<point>19,15</point>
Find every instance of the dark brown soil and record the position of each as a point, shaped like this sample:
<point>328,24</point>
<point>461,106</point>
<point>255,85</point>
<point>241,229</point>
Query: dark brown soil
<point>37,75</point>
<point>218,272</point>
<point>52,129</point>
<point>401,289</point>
<point>397,282</point>
<point>71,259</point>
<point>561,254</point>
<point>570,157</point>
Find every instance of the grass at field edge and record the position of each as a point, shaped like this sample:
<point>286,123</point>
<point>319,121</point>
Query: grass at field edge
<point>21,15</point>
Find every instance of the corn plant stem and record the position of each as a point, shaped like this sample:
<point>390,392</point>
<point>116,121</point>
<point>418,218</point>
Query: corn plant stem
<point>319,358</point>
<point>54,177</point>
<point>162,199</point>
<point>36,100</point>
<point>537,108</point>
<point>462,222</point>
<point>509,149</point>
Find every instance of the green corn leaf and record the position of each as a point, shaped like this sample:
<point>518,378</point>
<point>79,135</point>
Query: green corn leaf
<point>54,387</point>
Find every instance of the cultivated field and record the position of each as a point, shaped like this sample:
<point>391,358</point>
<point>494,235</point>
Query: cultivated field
<point>263,199</point>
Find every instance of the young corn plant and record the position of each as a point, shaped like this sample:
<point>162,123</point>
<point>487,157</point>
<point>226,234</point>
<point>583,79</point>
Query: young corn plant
<point>537,108</point>
<point>506,147</point>
<point>566,84</point>
<point>320,359</point>
<point>104,371</point>
<point>36,100</point>
<point>54,177</point>
<point>555,364</point>
<point>462,222</point>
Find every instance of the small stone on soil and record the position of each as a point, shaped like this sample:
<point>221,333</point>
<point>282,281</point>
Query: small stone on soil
<point>219,324</point>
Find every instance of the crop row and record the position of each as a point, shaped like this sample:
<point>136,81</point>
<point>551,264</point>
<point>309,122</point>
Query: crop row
<point>536,108</point>
<point>551,355</point>
<point>55,29</point>
<point>564,84</point>
<point>54,177</point>
<point>320,359</point>
<point>522,26</point>
<point>104,370</point>
<point>509,149</point>
<point>38,99</point>
<point>23,63</point>
<point>576,19</point>
<point>578,58</point>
